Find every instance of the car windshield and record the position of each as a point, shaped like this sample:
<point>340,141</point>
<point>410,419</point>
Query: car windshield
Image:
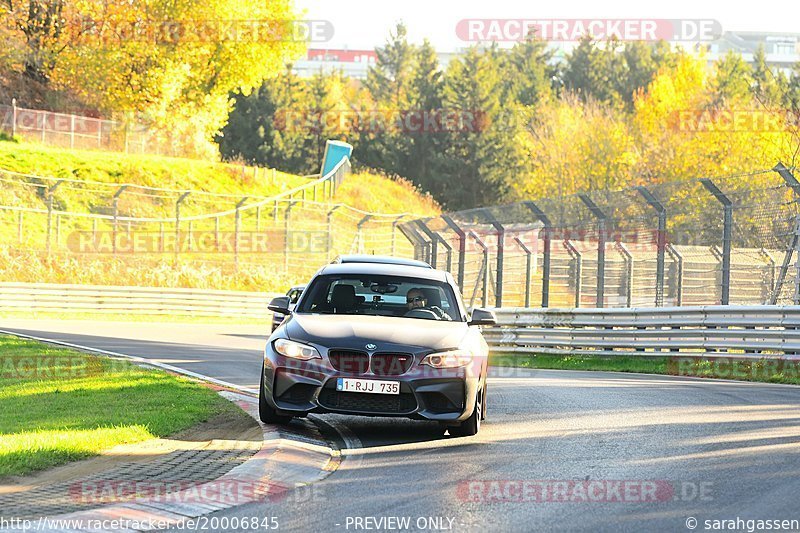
<point>390,296</point>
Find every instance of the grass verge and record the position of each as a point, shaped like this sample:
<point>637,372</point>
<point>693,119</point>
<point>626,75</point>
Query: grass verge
<point>719,367</point>
<point>59,405</point>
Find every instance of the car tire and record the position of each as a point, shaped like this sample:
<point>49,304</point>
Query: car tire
<point>266,413</point>
<point>471,425</point>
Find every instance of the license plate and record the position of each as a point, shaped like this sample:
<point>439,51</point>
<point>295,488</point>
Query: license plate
<point>369,386</point>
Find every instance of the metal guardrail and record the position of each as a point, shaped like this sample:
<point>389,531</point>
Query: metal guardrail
<point>133,300</point>
<point>721,330</point>
<point>741,331</point>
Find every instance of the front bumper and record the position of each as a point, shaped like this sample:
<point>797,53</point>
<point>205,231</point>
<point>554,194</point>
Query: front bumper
<point>298,388</point>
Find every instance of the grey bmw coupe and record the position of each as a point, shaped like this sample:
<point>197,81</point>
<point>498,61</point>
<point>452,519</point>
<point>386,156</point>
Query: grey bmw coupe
<point>378,339</point>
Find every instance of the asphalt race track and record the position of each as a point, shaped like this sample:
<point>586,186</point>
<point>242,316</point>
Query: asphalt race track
<point>630,452</point>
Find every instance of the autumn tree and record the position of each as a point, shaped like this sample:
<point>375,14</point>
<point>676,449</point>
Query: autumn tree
<point>173,63</point>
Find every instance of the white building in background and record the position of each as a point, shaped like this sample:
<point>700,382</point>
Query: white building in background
<point>353,63</point>
<point>782,53</point>
<point>782,49</point>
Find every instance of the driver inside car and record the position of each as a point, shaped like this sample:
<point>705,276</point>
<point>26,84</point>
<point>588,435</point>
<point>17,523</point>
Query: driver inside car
<point>417,299</point>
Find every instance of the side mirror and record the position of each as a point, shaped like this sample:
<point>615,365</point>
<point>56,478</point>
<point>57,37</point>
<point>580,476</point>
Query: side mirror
<point>279,305</point>
<point>482,317</point>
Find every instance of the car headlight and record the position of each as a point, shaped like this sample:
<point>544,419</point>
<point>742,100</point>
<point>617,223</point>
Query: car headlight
<point>296,350</point>
<point>449,359</point>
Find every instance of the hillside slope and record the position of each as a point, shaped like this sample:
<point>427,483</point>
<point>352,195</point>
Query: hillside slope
<point>23,255</point>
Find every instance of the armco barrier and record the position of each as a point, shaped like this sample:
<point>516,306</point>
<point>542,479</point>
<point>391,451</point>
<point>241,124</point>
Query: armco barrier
<point>759,330</point>
<point>132,300</point>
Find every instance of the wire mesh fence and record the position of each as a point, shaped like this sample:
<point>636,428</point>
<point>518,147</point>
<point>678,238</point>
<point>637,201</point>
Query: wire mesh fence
<point>84,132</point>
<point>161,234</point>
<point>722,240</point>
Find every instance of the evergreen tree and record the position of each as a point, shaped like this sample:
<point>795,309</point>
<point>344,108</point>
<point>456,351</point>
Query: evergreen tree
<point>731,81</point>
<point>640,66</point>
<point>390,83</point>
<point>481,157</point>
<point>426,99</point>
<point>588,72</point>
<point>766,86</point>
<point>528,73</point>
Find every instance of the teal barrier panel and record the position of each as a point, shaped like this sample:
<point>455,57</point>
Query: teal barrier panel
<point>335,151</point>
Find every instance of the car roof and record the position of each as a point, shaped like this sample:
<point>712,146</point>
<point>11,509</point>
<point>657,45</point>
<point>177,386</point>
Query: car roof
<point>407,271</point>
<point>298,287</point>
<point>380,259</point>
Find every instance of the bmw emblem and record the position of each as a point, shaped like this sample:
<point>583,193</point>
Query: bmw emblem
<point>371,347</point>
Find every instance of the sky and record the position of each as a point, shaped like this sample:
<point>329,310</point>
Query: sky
<point>363,24</point>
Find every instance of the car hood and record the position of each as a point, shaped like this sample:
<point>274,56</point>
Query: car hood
<point>354,332</point>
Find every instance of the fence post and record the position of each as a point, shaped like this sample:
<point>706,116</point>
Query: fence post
<point>601,247</point>
<point>394,233</point>
<point>462,248</point>
<point>13,118</point>
<point>727,229</point>
<point>413,237</point>
<point>58,230</point>
<point>578,257</point>
<point>424,253</point>
<point>359,227</point>
<point>770,277</point>
<point>796,299</point>
<point>258,218</point>
<point>434,241</point>
<point>661,241</point>
<point>545,252</point>
<point>329,238</point>
<point>286,235</point>
<point>237,222</point>
<point>528,254</point>
<point>19,227</point>
<point>627,256</point>
<point>501,238</point>
<point>125,135</point>
<point>178,222</point>
<point>792,182</point>
<point>49,199</point>
<point>448,251</point>
<point>677,257</point>
<point>115,207</point>
<point>72,131</point>
<point>485,287</point>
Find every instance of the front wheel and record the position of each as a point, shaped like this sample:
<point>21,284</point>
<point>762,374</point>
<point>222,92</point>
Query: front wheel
<point>266,413</point>
<point>471,425</point>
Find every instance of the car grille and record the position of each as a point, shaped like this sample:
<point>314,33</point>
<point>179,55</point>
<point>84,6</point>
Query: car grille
<point>367,403</point>
<point>391,364</point>
<point>349,361</point>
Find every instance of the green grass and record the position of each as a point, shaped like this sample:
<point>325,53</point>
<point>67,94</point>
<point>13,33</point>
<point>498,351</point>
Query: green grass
<point>720,367</point>
<point>59,405</point>
<point>363,191</point>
